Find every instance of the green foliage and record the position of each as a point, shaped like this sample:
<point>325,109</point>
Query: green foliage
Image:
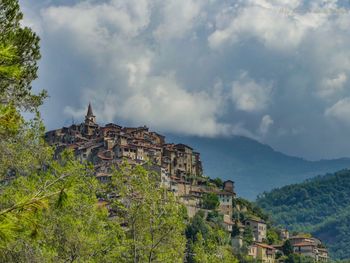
<point>211,251</point>
<point>235,230</point>
<point>208,241</point>
<point>19,53</point>
<point>154,220</point>
<point>210,201</point>
<point>319,206</point>
<point>215,217</point>
<point>197,225</point>
<point>248,209</point>
<point>52,215</point>
<point>272,236</point>
<point>10,121</point>
<point>22,148</point>
<point>9,66</point>
<point>217,181</point>
<point>248,236</point>
<point>294,258</point>
<point>287,248</point>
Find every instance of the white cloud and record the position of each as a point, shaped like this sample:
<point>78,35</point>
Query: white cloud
<point>103,19</point>
<point>156,98</point>
<point>340,110</point>
<point>330,86</point>
<point>250,96</point>
<point>178,18</point>
<point>275,24</point>
<point>265,124</point>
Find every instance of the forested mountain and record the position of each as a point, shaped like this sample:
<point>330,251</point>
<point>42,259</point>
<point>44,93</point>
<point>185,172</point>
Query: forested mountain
<point>256,167</point>
<point>320,206</point>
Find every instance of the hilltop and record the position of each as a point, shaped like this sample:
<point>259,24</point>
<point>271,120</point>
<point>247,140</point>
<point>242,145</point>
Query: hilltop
<point>320,206</point>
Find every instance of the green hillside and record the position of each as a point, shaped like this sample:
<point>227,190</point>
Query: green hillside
<point>320,206</point>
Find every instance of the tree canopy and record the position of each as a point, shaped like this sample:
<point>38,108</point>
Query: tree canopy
<point>319,206</point>
<point>19,55</point>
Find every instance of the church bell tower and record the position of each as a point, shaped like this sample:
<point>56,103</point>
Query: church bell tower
<point>90,118</point>
<point>90,122</point>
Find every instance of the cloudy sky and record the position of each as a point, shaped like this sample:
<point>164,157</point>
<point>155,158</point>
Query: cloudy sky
<point>277,71</point>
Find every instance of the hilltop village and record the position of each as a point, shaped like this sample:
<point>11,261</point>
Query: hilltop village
<point>180,171</point>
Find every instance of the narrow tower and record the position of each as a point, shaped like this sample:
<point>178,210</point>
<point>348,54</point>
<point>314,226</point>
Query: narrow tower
<point>90,118</point>
<point>90,122</point>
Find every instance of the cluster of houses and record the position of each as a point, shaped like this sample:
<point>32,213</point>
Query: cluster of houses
<point>180,171</point>
<point>178,165</point>
<point>301,244</point>
<point>109,145</point>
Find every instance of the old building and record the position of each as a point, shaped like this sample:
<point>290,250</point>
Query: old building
<point>309,246</point>
<point>228,223</point>
<point>265,253</point>
<point>262,252</point>
<point>258,228</point>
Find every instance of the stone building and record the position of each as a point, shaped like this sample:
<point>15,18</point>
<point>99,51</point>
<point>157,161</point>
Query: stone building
<point>309,246</point>
<point>258,227</point>
<point>262,252</point>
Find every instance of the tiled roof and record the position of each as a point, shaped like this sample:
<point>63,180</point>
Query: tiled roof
<point>265,246</point>
<point>304,244</point>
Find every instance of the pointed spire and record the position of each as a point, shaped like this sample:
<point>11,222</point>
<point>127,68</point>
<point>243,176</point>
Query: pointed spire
<point>89,112</point>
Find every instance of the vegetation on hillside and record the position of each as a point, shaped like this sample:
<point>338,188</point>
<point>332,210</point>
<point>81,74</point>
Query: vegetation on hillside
<point>319,206</point>
<point>208,242</point>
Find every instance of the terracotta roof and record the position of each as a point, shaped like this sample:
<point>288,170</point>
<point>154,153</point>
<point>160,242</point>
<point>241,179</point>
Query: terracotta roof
<point>304,244</point>
<point>265,246</point>
<point>278,246</point>
<point>258,220</point>
<point>196,191</point>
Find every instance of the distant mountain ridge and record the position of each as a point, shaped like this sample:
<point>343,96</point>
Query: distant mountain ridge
<point>255,167</point>
<point>320,206</point>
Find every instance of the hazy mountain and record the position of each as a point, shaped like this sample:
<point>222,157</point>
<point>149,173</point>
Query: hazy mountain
<point>255,167</point>
<point>320,206</point>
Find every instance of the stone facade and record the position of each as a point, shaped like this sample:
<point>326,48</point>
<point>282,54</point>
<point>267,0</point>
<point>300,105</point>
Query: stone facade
<point>258,227</point>
<point>309,246</point>
<point>262,252</point>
